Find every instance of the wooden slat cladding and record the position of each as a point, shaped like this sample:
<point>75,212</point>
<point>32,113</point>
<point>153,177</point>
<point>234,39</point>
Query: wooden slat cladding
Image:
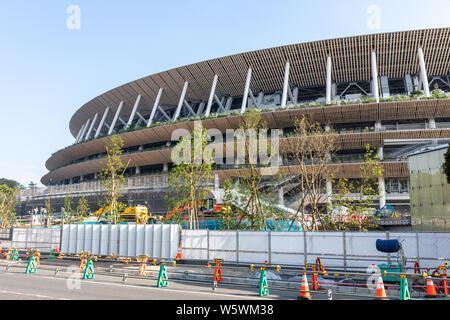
<point>351,61</point>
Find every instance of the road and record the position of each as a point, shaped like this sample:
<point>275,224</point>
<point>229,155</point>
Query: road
<point>68,285</point>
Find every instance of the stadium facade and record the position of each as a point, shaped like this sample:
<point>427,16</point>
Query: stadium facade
<point>363,87</point>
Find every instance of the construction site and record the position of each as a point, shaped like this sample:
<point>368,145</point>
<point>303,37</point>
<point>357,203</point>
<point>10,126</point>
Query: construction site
<point>226,265</point>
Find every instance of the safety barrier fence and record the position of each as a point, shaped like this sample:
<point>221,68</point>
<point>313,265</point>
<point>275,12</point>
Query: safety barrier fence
<point>345,250</point>
<point>24,238</point>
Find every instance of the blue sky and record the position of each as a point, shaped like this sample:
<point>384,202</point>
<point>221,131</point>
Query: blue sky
<point>48,71</point>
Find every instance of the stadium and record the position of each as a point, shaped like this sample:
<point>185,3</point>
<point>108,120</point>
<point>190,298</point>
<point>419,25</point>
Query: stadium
<point>363,87</point>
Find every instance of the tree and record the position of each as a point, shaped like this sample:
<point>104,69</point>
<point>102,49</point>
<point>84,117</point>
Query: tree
<point>10,183</point>
<point>310,149</point>
<point>112,178</point>
<point>32,185</point>
<point>67,215</point>
<point>254,204</point>
<point>190,176</point>
<point>7,206</point>
<point>446,164</point>
<point>82,209</point>
<point>359,210</point>
<point>49,212</point>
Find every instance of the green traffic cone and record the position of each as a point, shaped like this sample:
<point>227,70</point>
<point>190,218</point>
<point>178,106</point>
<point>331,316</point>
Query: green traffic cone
<point>31,267</point>
<point>263,285</point>
<point>162,277</point>
<point>89,270</point>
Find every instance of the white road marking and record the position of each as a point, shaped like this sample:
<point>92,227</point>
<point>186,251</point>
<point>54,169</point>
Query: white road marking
<point>31,295</point>
<point>158,289</point>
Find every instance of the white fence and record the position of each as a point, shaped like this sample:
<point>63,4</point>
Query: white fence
<point>125,240</point>
<point>340,249</point>
<point>34,238</point>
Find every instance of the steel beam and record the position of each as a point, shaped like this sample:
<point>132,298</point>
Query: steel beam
<point>85,129</point>
<point>155,106</point>
<point>423,73</point>
<point>246,88</point>
<point>328,90</point>
<point>102,121</point>
<point>116,116</point>
<point>92,126</point>
<point>375,90</point>
<point>211,95</point>
<point>133,112</point>
<point>180,102</point>
<point>285,85</point>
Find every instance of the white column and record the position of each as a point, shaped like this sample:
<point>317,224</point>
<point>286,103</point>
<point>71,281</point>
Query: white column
<point>380,153</point>
<point>79,133</point>
<point>165,167</point>
<point>328,89</point>
<point>247,86</point>
<point>295,96</point>
<point>85,129</point>
<point>88,134</point>
<point>423,73</point>
<point>329,187</point>
<point>432,123</point>
<point>377,125</point>
<point>327,127</point>
<point>211,95</point>
<point>155,106</point>
<point>381,186</point>
<point>260,98</point>
<point>375,90</point>
<point>102,121</point>
<point>285,85</point>
<point>133,112</point>
<point>138,170</point>
<point>113,123</point>
<point>281,196</point>
<point>180,102</point>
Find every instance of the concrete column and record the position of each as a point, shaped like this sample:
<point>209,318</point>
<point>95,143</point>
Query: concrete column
<point>180,102</point>
<point>165,167</point>
<point>327,127</point>
<point>423,73</point>
<point>246,88</point>
<point>113,123</point>
<point>102,121</point>
<point>295,94</point>
<point>141,148</point>
<point>377,125</point>
<point>138,170</point>
<point>260,98</point>
<point>328,90</point>
<point>285,85</point>
<point>216,181</point>
<point>281,196</point>
<point>329,186</point>
<point>380,153</point>
<point>382,188</point>
<point>211,95</point>
<point>431,123</point>
<point>375,90</point>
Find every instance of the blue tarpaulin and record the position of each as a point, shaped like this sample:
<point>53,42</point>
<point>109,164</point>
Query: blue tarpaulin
<point>387,245</point>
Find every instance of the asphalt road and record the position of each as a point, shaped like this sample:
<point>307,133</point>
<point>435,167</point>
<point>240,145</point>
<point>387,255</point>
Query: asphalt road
<point>68,285</point>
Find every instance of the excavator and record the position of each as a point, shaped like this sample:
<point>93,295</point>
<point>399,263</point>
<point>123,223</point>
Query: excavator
<point>138,214</point>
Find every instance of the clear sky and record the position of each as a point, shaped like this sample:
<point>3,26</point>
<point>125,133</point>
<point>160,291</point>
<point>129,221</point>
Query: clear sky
<point>48,71</point>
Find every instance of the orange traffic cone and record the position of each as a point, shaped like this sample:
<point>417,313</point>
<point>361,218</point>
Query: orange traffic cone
<point>381,293</point>
<point>304,290</point>
<point>431,290</point>
<point>178,257</point>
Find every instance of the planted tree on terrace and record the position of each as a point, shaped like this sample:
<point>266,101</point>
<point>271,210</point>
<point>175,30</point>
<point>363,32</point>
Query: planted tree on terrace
<point>82,208</point>
<point>7,206</point>
<point>258,160</point>
<point>67,215</point>
<point>112,178</point>
<point>191,176</point>
<point>310,148</point>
